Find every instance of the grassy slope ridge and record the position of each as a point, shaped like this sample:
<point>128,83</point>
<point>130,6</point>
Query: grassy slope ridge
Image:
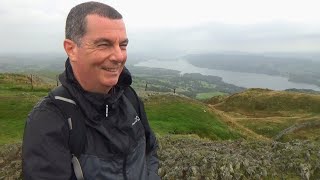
<point>178,115</point>
<point>167,114</point>
<point>263,112</point>
<point>269,113</point>
<point>255,100</point>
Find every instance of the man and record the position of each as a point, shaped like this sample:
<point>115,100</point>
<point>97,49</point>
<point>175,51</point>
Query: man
<point>118,142</point>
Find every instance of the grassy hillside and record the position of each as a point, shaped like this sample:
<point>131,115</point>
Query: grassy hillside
<point>270,113</point>
<point>167,114</point>
<point>252,114</point>
<point>170,114</point>
<point>16,99</point>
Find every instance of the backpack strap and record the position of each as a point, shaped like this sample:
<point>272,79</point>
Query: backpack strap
<point>131,94</point>
<point>133,98</point>
<point>76,122</point>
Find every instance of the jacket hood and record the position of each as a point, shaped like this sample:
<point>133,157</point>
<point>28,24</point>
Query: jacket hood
<point>93,104</point>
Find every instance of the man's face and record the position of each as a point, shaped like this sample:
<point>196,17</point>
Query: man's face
<point>100,58</point>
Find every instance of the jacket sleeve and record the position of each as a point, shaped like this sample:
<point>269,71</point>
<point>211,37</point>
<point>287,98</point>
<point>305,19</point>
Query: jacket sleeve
<point>45,152</point>
<point>152,147</point>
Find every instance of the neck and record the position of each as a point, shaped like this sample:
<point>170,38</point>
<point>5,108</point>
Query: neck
<point>91,86</point>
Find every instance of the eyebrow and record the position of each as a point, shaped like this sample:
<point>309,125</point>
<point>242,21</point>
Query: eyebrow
<point>104,40</point>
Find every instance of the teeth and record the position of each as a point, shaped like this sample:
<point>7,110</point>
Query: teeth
<point>110,69</point>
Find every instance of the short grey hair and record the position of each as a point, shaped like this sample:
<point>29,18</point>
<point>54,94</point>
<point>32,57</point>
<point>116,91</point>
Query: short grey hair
<point>76,24</point>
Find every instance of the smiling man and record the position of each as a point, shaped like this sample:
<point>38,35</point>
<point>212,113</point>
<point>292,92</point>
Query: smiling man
<point>93,126</point>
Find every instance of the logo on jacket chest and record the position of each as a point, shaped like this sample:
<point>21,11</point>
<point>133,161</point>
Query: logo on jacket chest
<point>136,119</point>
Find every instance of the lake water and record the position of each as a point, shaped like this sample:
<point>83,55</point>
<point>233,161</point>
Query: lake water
<point>247,80</point>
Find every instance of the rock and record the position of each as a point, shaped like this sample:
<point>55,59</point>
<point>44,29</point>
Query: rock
<point>264,172</point>
<point>182,157</point>
<point>238,165</point>
<point>246,163</point>
<point>161,172</point>
<point>305,171</point>
<point>194,170</point>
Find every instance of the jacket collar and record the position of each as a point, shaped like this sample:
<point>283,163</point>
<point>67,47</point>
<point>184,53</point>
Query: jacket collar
<point>93,104</point>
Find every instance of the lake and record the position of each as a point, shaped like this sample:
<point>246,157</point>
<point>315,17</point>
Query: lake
<point>247,80</point>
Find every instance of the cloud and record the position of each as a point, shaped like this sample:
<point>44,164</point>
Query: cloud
<point>247,25</point>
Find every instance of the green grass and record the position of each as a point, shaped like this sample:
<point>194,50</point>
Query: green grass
<point>176,115</point>
<point>208,95</point>
<point>14,108</point>
<point>168,114</point>
<point>17,98</point>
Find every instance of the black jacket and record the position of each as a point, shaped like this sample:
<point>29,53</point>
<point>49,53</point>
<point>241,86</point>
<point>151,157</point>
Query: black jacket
<point>116,145</point>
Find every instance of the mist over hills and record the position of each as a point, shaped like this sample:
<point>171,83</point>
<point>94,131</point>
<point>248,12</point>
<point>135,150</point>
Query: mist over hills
<point>273,37</point>
<point>284,49</point>
<point>297,67</point>
<point>301,70</point>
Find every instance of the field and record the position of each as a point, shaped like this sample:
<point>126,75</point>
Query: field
<point>168,114</point>
<point>252,114</point>
<point>16,100</point>
<point>276,115</point>
<point>176,115</point>
<point>202,96</point>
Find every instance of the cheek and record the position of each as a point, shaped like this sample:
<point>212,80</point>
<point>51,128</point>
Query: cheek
<point>124,57</point>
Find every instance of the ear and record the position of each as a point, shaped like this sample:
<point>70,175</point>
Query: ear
<point>71,49</point>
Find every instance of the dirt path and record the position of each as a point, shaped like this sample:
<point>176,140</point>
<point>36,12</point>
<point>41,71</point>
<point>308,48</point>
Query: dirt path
<point>304,117</point>
<point>231,121</point>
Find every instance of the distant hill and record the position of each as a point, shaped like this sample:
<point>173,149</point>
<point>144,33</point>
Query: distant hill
<point>263,100</point>
<point>309,91</point>
<point>297,69</point>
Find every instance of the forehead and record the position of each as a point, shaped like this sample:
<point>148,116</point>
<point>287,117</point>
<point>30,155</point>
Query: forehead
<point>103,25</point>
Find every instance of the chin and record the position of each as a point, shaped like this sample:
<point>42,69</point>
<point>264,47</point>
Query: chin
<point>110,83</point>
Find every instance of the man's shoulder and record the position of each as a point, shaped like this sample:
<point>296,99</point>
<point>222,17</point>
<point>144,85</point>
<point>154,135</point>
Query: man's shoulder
<point>46,103</point>
<point>131,91</point>
<point>45,109</point>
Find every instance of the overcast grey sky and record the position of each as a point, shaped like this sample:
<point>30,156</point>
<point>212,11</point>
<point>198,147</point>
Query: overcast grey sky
<point>185,25</point>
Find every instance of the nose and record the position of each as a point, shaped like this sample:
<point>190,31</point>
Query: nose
<point>117,54</point>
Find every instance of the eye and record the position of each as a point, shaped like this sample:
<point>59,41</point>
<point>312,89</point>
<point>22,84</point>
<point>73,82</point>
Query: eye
<point>123,46</point>
<point>103,45</point>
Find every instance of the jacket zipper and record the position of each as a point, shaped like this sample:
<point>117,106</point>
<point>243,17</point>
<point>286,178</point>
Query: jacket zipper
<point>107,110</point>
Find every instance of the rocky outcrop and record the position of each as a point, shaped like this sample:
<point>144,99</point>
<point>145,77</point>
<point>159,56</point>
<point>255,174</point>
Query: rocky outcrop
<point>187,157</point>
<point>10,162</point>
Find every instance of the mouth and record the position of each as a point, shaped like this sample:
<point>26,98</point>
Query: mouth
<point>110,69</point>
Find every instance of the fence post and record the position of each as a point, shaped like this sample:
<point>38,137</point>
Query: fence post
<point>31,80</point>
<point>57,79</point>
<point>145,89</point>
